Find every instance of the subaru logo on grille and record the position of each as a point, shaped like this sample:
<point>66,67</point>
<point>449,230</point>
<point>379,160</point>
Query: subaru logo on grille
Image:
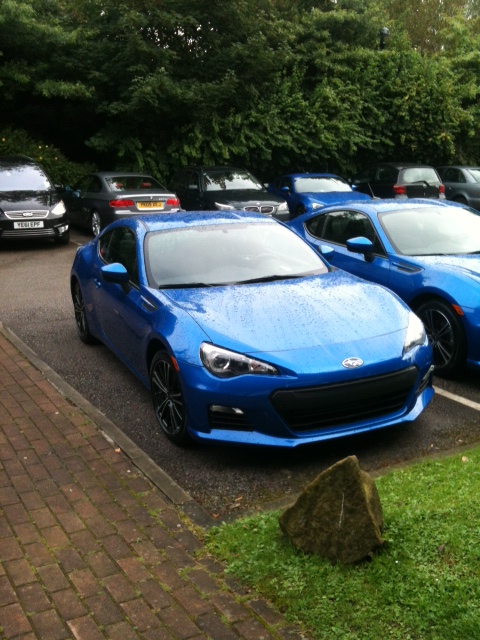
<point>352,363</point>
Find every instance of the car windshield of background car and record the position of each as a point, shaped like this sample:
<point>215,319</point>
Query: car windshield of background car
<point>227,254</point>
<point>430,231</point>
<point>420,174</point>
<point>475,173</point>
<point>23,178</point>
<point>134,183</point>
<point>230,181</point>
<point>320,185</point>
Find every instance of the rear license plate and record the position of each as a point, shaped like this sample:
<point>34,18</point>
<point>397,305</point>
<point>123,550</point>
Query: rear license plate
<point>150,205</point>
<point>28,224</point>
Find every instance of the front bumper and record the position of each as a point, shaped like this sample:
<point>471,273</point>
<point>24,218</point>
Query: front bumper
<point>44,228</point>
<point>259,410</point>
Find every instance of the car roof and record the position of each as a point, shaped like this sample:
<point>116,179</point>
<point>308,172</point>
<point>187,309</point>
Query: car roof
<point>459,166</point>
<point>405,165</point>
<point>310,175</point>
<point>184,219</point>
<point>17,160</point>
<point>112,174</point>
<point>213,168</point>
<point>383,205</point>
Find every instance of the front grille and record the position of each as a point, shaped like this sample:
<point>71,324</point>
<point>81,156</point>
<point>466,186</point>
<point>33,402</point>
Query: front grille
<point>260,209</point>
<point>337,404</point>
<point>28,233</point>
<point>36,214</point>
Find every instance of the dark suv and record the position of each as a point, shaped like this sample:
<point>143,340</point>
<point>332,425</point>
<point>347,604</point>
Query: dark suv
<point>227,188</point>
<point>30,205</point>
<point>400,180</point>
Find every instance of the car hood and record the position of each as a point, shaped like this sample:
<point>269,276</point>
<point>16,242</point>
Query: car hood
<point>308,313</point>
<point>243,197</point>
<point>468,265</point>
<point>336,197</point>
<point>13,200</point>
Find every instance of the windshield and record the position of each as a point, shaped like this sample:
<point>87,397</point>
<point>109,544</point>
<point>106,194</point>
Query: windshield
<point>230,179</point>
<point>134,183</point>
<point>227,254</point>
<point>429,231</point>
<point>23,178</point>
<point>320,185</point>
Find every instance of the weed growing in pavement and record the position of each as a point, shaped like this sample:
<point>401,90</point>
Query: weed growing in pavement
<point>423,585</point>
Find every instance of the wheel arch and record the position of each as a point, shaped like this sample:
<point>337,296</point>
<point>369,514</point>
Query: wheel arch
<point>154,346</point>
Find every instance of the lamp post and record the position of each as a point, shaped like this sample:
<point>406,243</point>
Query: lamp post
<point>384,33</point>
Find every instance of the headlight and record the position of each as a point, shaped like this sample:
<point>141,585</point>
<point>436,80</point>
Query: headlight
<point>59,209</point>
<point>224,207</point>
<point>416,334</point>
<point>228,364</point>
<point>283,206</point>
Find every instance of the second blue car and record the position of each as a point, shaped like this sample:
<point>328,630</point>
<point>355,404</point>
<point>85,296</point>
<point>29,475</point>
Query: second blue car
<point>428,252</point>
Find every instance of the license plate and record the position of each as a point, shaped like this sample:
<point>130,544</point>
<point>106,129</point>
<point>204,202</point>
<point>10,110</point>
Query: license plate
<point>28,224</point>
<point>150,205</point>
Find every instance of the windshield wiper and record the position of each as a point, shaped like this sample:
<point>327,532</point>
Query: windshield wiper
<point>271,278</point>
<point>188,285</point>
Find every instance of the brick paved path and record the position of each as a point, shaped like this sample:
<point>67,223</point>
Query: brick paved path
<point>90,548</point>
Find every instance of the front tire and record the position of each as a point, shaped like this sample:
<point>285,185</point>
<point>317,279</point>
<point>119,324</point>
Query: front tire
<point>81,315</point>
<point>167,397</point>
<point>63,239</point>
<point>95,223</point>
<point>446,335</point>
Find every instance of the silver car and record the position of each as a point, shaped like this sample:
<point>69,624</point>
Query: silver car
<point>104,196</point>
<point>462,184</point>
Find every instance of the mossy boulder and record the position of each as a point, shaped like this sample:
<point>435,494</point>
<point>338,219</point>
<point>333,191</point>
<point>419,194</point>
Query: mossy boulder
<point>338,516</point>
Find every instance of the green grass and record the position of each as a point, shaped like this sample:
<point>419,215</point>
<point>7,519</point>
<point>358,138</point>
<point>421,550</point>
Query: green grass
<point>423,584</point>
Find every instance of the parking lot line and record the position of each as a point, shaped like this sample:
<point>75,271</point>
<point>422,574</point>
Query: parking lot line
<point>459,399</point>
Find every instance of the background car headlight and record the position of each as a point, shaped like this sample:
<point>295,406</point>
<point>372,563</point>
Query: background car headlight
<point>416,334</point>
<point>227,364</point>
<point>59,209</point>
<point>224,207</point>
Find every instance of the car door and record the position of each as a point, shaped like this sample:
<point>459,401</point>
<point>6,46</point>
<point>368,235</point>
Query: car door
<point>453,179</point>
<point>84,199</point>
<point>188,189</point>
<point>124,317</point>
<point>335,228</point>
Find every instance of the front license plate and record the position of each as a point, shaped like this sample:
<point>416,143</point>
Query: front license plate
<point>28,224</point>
<point>150,205</point>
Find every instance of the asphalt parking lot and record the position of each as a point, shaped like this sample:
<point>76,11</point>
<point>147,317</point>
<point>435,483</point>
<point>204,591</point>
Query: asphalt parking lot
<point>35,304</point>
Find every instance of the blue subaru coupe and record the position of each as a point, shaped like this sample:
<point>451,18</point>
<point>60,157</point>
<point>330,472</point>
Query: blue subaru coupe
<point>244,334</point>
<point>310,191</point>
<point>426,252</point>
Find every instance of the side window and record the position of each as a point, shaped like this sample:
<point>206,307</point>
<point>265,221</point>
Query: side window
<point>315,226</point>
<point>120,246</point>
<point>386,174</point>
<point>344,225</point>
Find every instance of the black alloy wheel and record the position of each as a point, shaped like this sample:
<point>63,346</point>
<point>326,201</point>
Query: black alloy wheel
<point>461,200</point>
<point>63,239</point>
<point>81,315</point>
<point>168,400</point>
<point>445,334</point>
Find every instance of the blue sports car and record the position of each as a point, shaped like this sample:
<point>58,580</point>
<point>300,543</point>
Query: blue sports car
<point>244,334</point>
<point>427,252</point>
<point>310,191</point>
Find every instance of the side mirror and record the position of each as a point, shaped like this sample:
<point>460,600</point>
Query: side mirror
<point>117,273</point>
<point>361,245</point>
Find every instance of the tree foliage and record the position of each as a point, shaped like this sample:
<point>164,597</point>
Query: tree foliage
<point>270,84</point>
